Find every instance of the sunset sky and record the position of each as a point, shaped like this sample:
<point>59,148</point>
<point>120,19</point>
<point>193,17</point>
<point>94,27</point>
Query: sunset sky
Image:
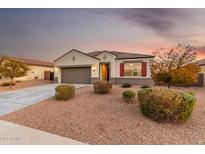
<point>45,34</point>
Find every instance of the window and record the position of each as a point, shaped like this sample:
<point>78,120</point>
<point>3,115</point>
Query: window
<point>133,69</point>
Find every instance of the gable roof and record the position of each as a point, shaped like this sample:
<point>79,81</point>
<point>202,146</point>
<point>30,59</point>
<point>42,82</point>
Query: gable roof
<point>122,55</point>
<point>96,53</point>
<point>30,61</point>
<point>1,55</point>
<point>78,52</point>
<point>201,62</point>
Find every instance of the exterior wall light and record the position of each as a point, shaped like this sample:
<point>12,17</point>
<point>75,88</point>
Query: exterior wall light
<point>56,69</point>
<point>93,67</point>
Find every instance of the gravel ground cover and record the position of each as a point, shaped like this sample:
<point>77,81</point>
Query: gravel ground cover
<point>106,119</point>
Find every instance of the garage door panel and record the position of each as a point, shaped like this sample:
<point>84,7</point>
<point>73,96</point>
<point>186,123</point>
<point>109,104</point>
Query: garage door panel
<point>81,75</point>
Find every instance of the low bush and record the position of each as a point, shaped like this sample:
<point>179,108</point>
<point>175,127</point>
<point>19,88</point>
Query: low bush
<point>102,87</point>
<point>145,86</point>
<point>7,84</point>
<point>64,92</point>
<point>126,85</point>
<point>191,93</point>
<point>162,104</point>
<point>128,96</point>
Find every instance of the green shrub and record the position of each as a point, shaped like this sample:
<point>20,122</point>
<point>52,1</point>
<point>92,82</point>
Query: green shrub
<point>7,84</point>
<point>163,104</point>
<point>126,85</point>
<point>191,93</point>
<point>128,96</point>
<point>102,86</point>
<point>145,86</point>
<point>64,92</point>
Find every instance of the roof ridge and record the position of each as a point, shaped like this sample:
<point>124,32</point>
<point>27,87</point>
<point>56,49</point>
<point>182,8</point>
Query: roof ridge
<point>130,53</point>
<point>76,51</point>
<point>32,61</point>
<point>201,62</point>
<point>23,58</point>
<point>120,52</point>
<point>2,54</point>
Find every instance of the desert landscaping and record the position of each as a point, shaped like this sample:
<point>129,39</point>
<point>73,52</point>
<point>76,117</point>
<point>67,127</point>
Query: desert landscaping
<point>106,119</point>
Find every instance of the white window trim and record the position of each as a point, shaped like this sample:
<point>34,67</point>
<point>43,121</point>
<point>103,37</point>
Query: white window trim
<point>132,76</point>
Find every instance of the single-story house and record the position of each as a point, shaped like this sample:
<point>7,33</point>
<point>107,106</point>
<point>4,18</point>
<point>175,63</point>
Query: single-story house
<point>38,69</point>
<point>117,67</point>
<point>201,63</point>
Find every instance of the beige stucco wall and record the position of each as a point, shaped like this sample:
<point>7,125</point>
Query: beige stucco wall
<point>203,71</point>
<point>117,66</point>
<point>80,59</point>
<point>110,58</point>
<point>35,71</point>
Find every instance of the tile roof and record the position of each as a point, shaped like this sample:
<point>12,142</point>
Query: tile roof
<point>201,62</point>
<point>30,61</point>
<point>75,51</point>
<point>122,55</point>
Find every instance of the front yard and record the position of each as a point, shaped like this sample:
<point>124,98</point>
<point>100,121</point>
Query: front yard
<point>106,119</point>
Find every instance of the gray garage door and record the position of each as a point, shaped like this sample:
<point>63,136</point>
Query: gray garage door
<point>81,75</point>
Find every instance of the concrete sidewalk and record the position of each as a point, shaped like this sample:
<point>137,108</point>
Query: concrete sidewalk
<point>14,134</point>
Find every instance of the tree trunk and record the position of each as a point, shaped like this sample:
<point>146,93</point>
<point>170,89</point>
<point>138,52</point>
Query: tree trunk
<point>169,84</point>
<point>11,82</point>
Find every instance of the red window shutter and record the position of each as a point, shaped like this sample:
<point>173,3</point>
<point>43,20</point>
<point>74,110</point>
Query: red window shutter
<point>144,68</point>
<point>121,69</point>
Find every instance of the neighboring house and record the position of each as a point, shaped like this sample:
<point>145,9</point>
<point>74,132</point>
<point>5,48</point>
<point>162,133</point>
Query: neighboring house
<point>118,67</point>
<point>201,63</point>
<point>39,69</point>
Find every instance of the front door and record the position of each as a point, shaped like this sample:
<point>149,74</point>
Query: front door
<point>104,71</point>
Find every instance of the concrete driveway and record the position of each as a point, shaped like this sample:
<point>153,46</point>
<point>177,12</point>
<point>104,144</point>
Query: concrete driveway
<point>15,100</point>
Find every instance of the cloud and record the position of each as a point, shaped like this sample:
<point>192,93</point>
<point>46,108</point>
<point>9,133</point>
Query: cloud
<point>166,22</point>
<point>158,19</point>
